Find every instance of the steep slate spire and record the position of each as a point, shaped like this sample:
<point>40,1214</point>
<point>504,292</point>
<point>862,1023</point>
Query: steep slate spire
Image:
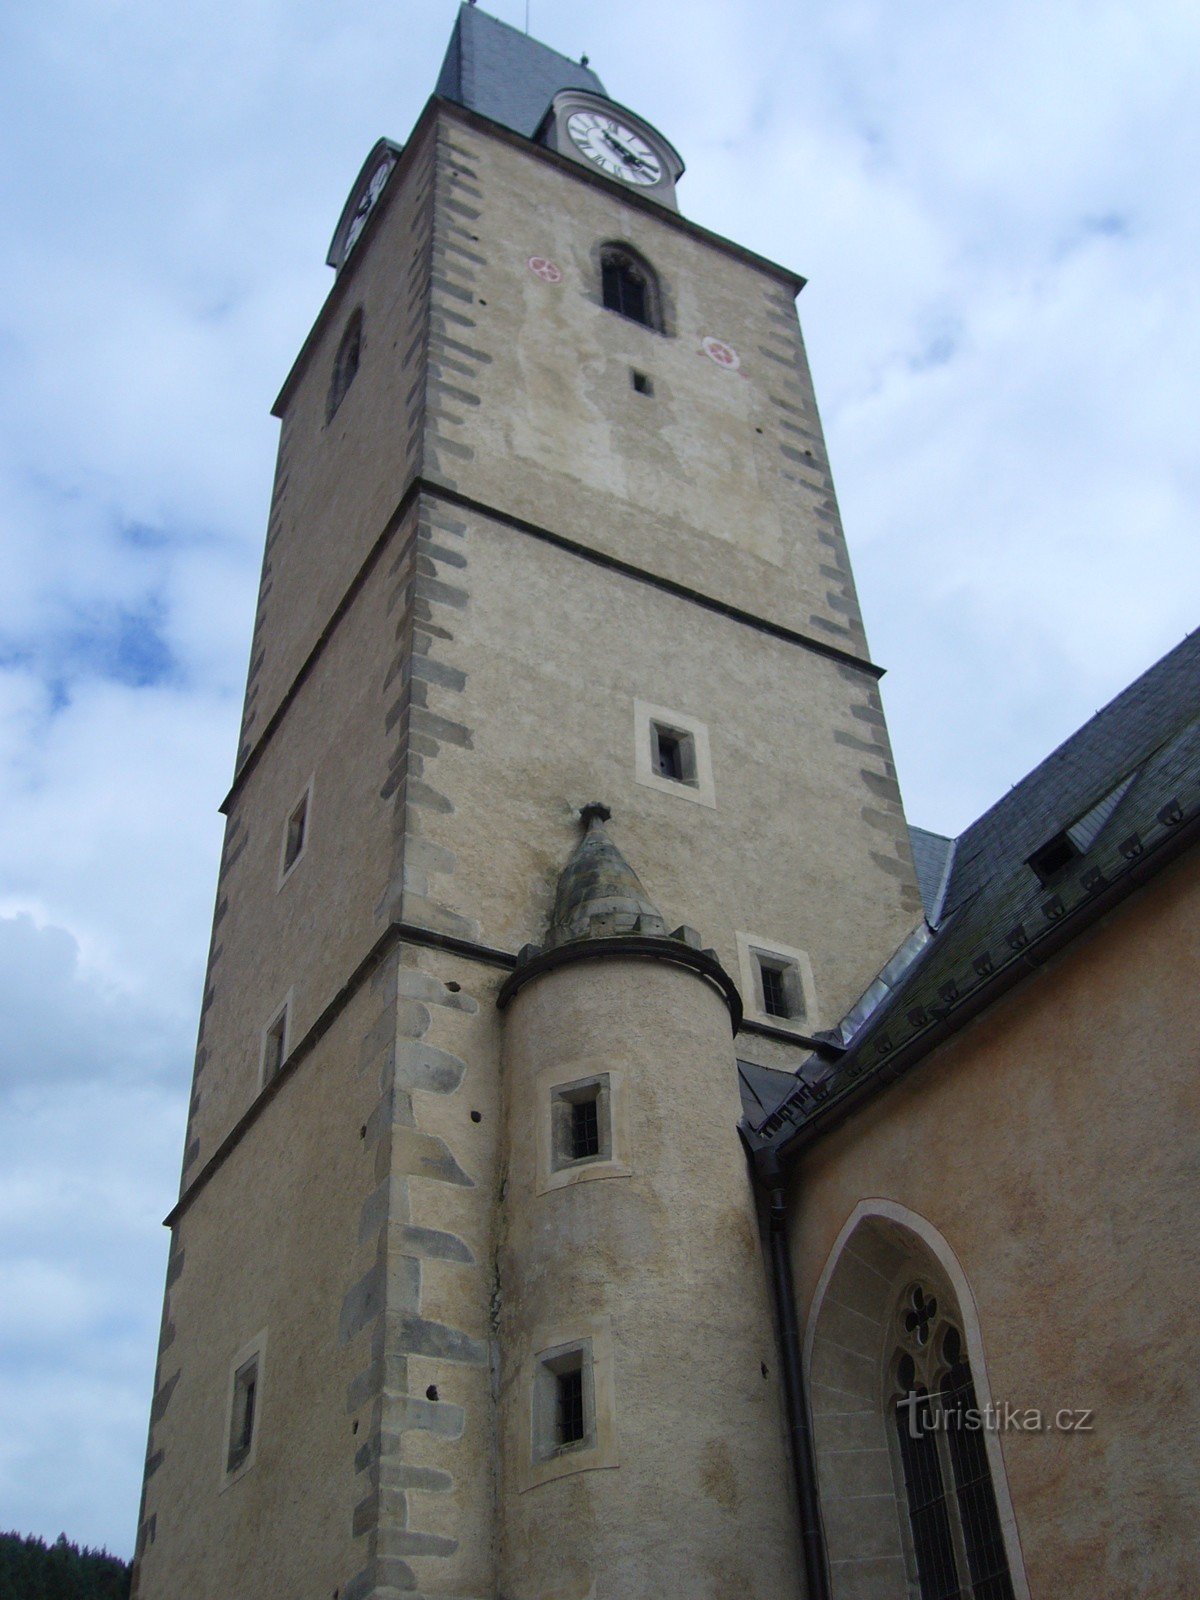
<point>599,894</point>
<point>503,74</point>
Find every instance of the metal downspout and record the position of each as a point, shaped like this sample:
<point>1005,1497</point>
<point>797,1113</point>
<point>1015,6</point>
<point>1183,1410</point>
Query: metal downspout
<point>769,1173</point>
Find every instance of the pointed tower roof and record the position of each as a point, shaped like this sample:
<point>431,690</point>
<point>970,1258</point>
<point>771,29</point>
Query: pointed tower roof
<point>601,909</point>
<point>599,893</point>
<point>504,74</point>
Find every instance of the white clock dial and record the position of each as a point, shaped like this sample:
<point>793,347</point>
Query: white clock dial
<point>613,147</point>
<point>367,201</point>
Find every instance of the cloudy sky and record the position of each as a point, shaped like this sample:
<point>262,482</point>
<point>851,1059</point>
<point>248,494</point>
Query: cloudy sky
<point>995,207</point>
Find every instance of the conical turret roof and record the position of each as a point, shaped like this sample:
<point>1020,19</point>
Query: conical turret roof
<point>599,894</point>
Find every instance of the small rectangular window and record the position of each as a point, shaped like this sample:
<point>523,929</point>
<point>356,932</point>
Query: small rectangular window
<point>581,1122</point>
<point>781,988</point>
<point>293,842</point>
<point>641,383</point>
<point>585,1129</point>
<point>774,1002</point>
<point>674,753</point>
<point>242,1414</point>
<point>569,1424</point>
<point>274,1047</point>
<point>564,1401</point>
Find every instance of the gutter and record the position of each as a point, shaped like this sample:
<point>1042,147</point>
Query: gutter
<point>767,1172</point>
<point>780,1142</point>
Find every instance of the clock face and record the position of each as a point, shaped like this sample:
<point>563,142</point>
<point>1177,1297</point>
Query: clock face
<point>367,201</point>
<point>613,147</point>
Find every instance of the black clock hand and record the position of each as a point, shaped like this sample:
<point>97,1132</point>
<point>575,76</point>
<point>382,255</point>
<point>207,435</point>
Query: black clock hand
<point>624,152</point>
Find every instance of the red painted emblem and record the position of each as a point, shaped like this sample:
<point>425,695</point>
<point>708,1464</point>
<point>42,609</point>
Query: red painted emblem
<point>545,270</point>
<point>724,355</point>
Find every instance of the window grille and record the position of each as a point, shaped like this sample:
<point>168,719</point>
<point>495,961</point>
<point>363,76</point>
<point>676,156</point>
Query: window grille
<point>629,287</point>
<point>585,1129</point>
<point>569,1428</point>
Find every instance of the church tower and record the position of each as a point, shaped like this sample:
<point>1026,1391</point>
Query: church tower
<point>563,785</point>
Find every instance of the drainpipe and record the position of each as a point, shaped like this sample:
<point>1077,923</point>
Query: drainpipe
<point>768,1172</point>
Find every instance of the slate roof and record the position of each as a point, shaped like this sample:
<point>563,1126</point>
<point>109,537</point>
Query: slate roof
<point>505,75</point>
<point>1110,797</point>
<point>931,855</point>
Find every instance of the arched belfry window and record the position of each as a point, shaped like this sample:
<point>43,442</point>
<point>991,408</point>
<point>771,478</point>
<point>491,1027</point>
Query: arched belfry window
<point>345,363</point>
<point>629,286</point>
<point>909,1461</point>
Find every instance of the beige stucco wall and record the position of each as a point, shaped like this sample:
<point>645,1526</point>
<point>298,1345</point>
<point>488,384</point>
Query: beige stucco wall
<point>475,687</point>
<point>660,1265</point>
<point>1052,1147</point>
<point>720,480</point>
<point>273,1244</point>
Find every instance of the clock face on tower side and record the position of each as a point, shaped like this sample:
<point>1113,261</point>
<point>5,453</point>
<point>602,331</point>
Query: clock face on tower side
<point>613,147</point>
<point>368,200</point>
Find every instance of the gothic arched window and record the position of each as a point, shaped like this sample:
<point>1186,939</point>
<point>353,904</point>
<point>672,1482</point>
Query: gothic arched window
<point>629,286</point>
<point>953,1520</point>
<point>345,364</point>
<point>908,1458</point>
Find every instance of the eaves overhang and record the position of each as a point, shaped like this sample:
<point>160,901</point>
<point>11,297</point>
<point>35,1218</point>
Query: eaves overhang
<point>898,1041</point>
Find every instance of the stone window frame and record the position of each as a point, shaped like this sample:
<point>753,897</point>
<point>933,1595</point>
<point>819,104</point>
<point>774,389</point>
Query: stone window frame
<point>304,802</point>
<point>658,306</point>
<point>753,951</point>
<point>253,1355</point>
<point>589,1342</point>
<point>271,1030</point>
<point>849,1363</point>
<point>552,1087</point>
<point>699,787</point>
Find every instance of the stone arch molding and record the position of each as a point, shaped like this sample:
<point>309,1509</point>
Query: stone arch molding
<point>847,1347</point>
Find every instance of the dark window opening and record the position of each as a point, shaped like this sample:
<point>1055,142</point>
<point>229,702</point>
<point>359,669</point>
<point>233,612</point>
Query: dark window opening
<point>294,842</point>
<point>669,755</point>
<point>673,754</point>
<point>241,1422</point>
<point>628,287</point>
<point>774,1000</point>
<point>274,1046</point>
<point>928,1516</point>
<point>585,1129</point>
<point>569,1427</point>
<point>782,995</point>
<point>1053,857</point>
<point>641,382</point>
<point>973,1490</point>
<point>345,365</point>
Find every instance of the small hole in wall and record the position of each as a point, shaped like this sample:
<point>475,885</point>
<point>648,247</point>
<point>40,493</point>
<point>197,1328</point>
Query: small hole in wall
<point>477,1116</point>
<point>362,1132</point>
<point>758,430</point>
<point>763,1368</point>
<point>808,453</point>
<point>354,1426</point>
<point>483,302</point>
<point>431,1393</point>
<point>454,988</point>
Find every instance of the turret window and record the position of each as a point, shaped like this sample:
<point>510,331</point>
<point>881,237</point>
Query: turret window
<point>629,286</point>
<point>581,1122</point>
<point>585,1129</point>
<point>564,1405</point>
<point>345,365</point>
